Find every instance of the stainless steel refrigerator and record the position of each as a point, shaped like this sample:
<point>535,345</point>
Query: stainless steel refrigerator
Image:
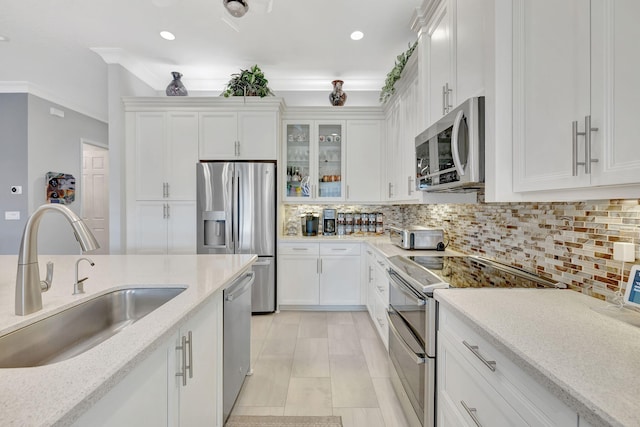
<point>237,215</point>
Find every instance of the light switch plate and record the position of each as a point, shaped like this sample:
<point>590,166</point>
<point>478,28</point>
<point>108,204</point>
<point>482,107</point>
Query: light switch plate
<point>623,251</point>
<point>12,215</point>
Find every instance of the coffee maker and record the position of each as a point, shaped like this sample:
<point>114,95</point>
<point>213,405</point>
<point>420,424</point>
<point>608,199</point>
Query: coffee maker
<point>329,222</point>
<point>309,222</point>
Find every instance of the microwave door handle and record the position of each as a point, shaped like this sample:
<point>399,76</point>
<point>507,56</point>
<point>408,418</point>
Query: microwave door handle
<point>454,143</point>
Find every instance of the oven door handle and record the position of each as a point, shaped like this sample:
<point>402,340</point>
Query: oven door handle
<point>395,281</point>
<point>418,358</point>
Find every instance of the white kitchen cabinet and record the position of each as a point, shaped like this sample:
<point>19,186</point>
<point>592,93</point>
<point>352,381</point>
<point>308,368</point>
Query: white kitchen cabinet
<point>166,147</point>
<point>454,54</point>
<point>377,292</point>
<point>323,274</point>
<point>314,154</point>
<point>196,396</point>
<point>590,74</point>
<point>139,399</point>
<point>238,135</point>
<point>402,121</point>
<point>477,380</point>
<point>162,228</point>
<point>151,394</point>
<point>363,152</point>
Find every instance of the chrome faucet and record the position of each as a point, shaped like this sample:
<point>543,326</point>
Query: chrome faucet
<point>29,288</point>
<point>78,286</point>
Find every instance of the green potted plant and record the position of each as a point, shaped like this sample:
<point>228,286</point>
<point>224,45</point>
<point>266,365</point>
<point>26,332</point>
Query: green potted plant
<point>249,82</point>
<point>394,75</point>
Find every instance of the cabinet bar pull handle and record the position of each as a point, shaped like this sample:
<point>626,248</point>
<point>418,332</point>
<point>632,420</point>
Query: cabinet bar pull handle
<point>183,350</point>
<point>320,259</point>
<point>347,192</point>
<point>300,249</point>
<point>370,274</point>
<point>574,151</point>
<point>190,365</point>
<point>491,364</point>
<point>587,144</point>
<point>338,249</point>
<point>390,192</point>
<point>472,413</point>
<point>444,100</point>
<point>168,211</point>
<point>318,266</point>
<point>410,189</point>
<point>448,92</point>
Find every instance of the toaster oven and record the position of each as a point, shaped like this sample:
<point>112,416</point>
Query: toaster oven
<point>417,237</point>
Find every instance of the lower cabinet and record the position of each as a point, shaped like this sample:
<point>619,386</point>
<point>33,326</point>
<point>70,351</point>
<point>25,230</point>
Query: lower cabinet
<point>155,394</point>
<point>326,274</point>
<point>478,385</point>
<point>377,292</point>
<point>159,227</point>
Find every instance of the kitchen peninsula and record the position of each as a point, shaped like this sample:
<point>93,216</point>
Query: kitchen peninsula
<point>60,393</point>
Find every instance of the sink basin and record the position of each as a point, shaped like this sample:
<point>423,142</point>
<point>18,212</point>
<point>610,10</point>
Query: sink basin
<point>81,327</point>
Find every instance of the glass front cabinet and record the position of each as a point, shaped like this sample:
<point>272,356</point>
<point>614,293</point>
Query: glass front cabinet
<point>315,160</point>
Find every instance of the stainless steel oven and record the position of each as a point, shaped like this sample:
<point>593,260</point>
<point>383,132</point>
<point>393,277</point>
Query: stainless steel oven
<point>412,346</point>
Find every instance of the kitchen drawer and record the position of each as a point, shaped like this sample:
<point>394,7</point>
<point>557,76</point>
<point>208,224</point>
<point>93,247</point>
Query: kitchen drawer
<point>534,403</point>
<point>299,248</point>
<point>465,391</point>
<point>340,249</point>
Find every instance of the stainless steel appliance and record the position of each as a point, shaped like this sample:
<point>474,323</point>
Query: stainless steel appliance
<point>236,214</point>
<point>329,222</point>
<point>236,339</point>
<point>450,153</point>
<point>413,315</point>
<point>417,237</point>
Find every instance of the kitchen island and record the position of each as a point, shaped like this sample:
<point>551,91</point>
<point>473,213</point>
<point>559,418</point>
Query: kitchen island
<point>561,339</point>
<point>59,393</point>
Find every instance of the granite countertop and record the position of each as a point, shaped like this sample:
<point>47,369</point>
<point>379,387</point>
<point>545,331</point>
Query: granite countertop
<point>57,394</point>
<point>586,358</point>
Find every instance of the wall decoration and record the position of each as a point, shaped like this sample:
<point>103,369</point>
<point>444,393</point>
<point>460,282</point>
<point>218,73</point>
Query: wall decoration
<point>176,87</point>
<point>61,188</point>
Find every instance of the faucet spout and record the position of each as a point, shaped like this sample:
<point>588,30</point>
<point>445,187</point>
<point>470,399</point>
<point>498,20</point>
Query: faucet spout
<point>28,286</point>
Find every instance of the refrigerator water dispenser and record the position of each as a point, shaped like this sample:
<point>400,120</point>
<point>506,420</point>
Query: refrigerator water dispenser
<point>214,229</point>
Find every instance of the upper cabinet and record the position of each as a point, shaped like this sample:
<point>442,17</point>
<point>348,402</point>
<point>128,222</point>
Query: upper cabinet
<point>453,49</point>
<point>574,104</point>
<point>239,135</point>
<point>165,144</point>
<point>332,155</point>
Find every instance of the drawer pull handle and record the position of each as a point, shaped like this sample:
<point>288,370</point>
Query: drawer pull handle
<point>472,413</point>
<point>491,364</point>
<point>338,249</point>
<point>300,249</point>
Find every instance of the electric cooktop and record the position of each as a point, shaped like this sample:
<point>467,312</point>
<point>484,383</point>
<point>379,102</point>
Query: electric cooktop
<point>430,272</point>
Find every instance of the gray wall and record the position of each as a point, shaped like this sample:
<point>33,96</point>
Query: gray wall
<point>54,145</point>
<point>13,164</point>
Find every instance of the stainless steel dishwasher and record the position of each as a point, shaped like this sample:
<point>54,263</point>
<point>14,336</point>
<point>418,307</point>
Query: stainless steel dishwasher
<point>236,340</point>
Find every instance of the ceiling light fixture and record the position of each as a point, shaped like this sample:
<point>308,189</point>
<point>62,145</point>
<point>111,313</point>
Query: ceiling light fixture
<point>357,35</point>
<point>236,8</point>
<point>167,35</point>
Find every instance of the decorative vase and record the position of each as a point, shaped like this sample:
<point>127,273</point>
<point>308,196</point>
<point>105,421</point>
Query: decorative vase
<point>337,97</point>
<point>176,88</point>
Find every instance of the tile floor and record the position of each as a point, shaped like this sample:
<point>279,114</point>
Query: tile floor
<point>320,363</point>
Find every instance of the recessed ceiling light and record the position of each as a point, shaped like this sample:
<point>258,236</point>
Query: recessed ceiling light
<point>357,35</point>
<point>167,35</point>
<point>4,38</point>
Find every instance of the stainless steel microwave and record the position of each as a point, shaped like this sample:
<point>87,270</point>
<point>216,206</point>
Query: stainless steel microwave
<point>450,153</point>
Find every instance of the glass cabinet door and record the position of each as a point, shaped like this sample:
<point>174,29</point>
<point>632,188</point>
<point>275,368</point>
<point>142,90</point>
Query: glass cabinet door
<point>298,149</point>
<point>330,161</point>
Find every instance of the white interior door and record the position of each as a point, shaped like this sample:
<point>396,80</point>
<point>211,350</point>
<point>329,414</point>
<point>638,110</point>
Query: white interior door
<point>95,193</point>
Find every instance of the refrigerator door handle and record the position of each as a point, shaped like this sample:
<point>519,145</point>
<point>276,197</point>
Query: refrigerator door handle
<point>236,211</point>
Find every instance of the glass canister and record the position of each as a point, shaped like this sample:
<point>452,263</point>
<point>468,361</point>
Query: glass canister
<point>379,223</point>
<point>348,223</point>
<point>372,222</point>
<point>341,224</point>
<point>357,222</point>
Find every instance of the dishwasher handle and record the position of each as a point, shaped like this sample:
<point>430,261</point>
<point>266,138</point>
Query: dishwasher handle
<point>241,286</point>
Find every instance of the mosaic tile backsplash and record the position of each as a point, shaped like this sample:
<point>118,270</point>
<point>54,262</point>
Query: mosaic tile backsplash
<point>570,242</point>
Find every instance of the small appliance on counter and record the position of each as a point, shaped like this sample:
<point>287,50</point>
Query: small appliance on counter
<point>329,222</point>
<point>418,237</point>
<point>309,222</point>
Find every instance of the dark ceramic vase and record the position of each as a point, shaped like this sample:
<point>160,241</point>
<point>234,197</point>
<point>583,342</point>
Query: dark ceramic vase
<point>337,97</point>
<point>176,88</point>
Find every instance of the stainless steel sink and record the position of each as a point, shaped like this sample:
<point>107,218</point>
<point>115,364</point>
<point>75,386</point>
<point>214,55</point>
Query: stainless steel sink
<point>81,327</point>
